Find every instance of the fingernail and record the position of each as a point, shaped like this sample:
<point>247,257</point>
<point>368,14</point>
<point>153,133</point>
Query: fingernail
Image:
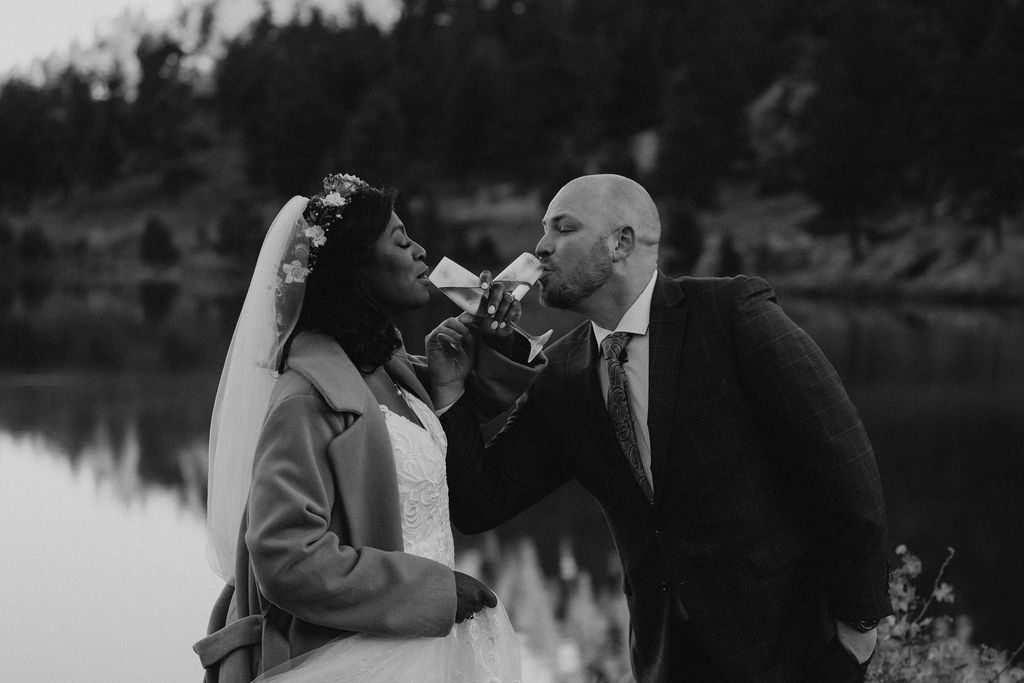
<point>501,325</point>
<point>491,310</point>
<point>494,325</point>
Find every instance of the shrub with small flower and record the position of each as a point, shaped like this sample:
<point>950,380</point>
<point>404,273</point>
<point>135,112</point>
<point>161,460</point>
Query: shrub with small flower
<point>916,647</point>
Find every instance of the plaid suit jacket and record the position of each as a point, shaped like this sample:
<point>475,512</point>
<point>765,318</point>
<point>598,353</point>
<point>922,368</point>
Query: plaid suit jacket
<point>768,517</point>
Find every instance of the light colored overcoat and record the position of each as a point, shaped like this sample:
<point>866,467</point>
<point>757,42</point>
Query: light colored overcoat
<point>320,550</point>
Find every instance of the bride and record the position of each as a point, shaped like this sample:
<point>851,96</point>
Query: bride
<point>328,503</point>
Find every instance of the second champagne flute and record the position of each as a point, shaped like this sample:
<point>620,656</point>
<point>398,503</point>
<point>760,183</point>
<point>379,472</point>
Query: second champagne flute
<point>463,288</point>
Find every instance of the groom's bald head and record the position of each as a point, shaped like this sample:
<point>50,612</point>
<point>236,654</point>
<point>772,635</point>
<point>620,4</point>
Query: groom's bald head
<point>614,201</point>
<point>600,246</point>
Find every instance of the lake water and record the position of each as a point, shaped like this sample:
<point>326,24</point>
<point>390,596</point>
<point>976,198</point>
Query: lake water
<point>105,397</point>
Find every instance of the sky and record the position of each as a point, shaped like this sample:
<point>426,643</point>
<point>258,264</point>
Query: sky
<point>32,29</point>
<point>37,28</point>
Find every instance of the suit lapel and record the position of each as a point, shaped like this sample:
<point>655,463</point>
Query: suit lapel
<point>582,377</point>
<point>667,325</point>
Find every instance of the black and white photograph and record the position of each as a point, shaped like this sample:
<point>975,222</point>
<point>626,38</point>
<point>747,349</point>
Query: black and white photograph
<point>512,341</point>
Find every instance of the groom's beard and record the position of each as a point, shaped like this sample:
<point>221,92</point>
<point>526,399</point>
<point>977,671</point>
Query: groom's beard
<point>565,291</point>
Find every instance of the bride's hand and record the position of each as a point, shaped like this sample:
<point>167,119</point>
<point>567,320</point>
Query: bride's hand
<point>497,310</point>
<point>451,352</point>
<point>471,596</point>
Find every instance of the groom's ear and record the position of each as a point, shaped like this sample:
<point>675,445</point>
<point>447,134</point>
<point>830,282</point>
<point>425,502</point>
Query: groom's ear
<point>625,242</point>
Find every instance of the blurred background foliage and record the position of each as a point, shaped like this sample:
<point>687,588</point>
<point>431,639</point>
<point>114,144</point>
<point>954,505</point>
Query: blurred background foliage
<point>868,108</point>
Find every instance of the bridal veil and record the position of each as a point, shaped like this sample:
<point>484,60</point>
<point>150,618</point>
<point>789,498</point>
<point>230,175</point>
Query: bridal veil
<point>268,317</point>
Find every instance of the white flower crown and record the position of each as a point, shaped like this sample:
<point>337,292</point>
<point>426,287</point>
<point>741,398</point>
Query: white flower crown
<point>322,213</point>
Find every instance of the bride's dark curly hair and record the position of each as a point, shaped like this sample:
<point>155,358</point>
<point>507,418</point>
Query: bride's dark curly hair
<point>336,301</point>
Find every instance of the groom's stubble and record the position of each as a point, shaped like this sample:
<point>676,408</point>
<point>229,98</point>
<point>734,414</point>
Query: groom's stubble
<point>571,283</point>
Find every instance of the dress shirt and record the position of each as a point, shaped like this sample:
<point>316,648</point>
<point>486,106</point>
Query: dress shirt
<point>637,367</point>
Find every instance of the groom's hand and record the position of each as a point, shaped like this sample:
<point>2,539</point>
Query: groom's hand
<point>471,597</point>
<point>860,645</point>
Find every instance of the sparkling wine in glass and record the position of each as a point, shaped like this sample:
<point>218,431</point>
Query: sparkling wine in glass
<point>463,288</point>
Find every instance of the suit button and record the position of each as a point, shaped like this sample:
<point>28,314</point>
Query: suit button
<point>663,585</point>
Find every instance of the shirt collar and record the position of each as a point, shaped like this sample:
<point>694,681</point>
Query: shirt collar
<point>637,319</point>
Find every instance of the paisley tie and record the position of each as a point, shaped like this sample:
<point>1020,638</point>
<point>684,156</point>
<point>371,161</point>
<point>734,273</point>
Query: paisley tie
<point>612,348</point>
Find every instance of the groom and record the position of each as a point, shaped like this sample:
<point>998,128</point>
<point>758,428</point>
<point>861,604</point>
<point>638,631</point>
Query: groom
<point>734,472</point>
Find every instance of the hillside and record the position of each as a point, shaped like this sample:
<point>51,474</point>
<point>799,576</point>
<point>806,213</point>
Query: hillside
<point>97,234</point>
<point>905,256</point>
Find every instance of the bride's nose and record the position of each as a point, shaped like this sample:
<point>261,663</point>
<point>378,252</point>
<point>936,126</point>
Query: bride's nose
<point>418,252</point>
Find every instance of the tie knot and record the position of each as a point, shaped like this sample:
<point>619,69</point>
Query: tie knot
<point>614,344</point>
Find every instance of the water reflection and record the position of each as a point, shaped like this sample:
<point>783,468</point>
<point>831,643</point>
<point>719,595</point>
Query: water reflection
<point>156,423</point>
<point>157,298</point>
<point>33,292</point>
<point>103,579</point>
<point>118,383</point>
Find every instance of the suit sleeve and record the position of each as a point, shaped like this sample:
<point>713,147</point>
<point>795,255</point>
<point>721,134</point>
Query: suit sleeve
<point>832,464</point>
<point>301,564</point>
<point>523,463</point>
<point>495,383</point>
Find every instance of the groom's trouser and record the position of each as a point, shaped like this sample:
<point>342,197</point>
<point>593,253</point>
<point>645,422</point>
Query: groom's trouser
<point>669,650</point>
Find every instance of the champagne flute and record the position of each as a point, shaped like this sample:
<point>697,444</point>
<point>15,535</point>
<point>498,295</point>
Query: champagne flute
<point>463,288</point>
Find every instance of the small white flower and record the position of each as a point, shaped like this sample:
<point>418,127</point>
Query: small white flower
<point>335,199</point>
<point>294,272</point>
<point>316,235</point>
<point>901,549</point>
<point>944,593</point>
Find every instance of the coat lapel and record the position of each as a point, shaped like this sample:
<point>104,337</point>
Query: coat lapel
<point>320,359</point>
<point>373,517</point>
<point>667,325</point>
<point>401,371</point>
<point>323,362</point>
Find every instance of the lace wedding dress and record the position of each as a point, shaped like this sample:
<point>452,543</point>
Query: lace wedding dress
<point>483,649</point>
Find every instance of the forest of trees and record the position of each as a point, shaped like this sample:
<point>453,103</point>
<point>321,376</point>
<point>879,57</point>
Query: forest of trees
<point>864,105</point>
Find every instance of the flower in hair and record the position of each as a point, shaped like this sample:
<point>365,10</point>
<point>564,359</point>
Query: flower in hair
<point>323,212</point>
<point>317,236</point>
<point>335,199</point>
<point>294,272</point>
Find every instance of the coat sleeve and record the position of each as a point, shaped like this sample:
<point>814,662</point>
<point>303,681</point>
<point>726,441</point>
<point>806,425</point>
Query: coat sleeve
<point>524,462</point>
<point>497,382</point>
<point>302,565</point>
<point>832,465</point>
